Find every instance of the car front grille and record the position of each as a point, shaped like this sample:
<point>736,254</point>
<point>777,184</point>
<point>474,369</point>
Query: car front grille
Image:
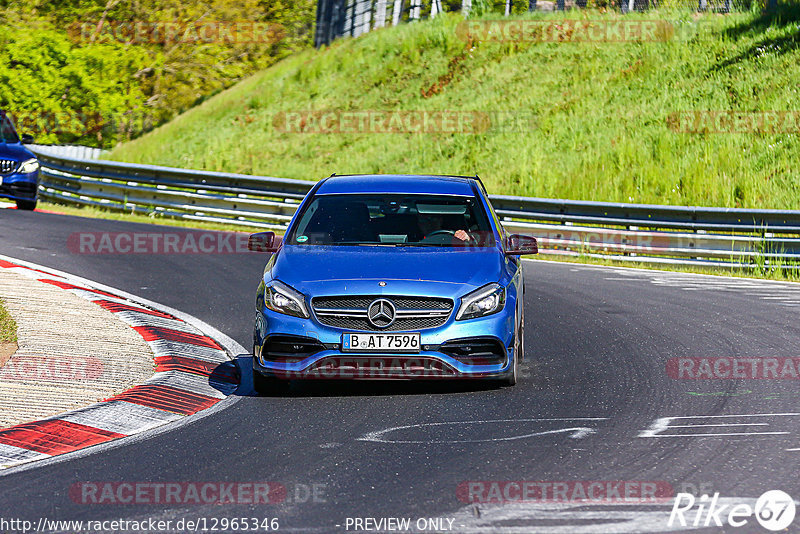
<point>7,166</point>
<point>412,313</point>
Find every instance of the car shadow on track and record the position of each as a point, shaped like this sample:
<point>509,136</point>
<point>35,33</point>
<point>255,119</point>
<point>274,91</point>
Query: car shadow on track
<point>350,388</point>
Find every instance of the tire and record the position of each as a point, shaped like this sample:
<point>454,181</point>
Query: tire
<point>511,378</point>
<point>267,385</point>
<point>519,350</point>
<point>27,205</point>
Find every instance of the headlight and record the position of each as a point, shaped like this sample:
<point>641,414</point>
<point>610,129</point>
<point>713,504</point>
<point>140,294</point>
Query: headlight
<point>283,299</point>
<point>486,300</point>
<point>29,166</point>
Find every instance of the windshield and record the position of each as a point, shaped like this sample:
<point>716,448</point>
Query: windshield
<point>7,132</point>
<point>393,220</point>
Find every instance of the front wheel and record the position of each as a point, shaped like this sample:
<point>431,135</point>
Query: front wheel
<point>511,378</point>
<point>519,353</point>
<point>27,205</point>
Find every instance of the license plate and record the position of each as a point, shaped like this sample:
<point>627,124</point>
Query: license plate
<point>381,342</point>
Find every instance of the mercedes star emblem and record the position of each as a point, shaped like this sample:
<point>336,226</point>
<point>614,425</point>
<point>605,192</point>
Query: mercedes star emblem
<point>381,313</point>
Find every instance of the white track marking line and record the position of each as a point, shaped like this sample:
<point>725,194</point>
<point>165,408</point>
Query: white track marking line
<point>721,434</point>
<point>720,424</point>
<point>663,424</point>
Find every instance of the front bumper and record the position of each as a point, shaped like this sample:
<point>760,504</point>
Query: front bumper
<point>17,186</point>
<point>318,353</point>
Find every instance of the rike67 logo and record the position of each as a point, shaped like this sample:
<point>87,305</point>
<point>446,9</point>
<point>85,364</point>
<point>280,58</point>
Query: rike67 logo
<point>774,510</point>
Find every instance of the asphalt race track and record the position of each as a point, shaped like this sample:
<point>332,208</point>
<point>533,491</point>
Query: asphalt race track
<point>594,388</point>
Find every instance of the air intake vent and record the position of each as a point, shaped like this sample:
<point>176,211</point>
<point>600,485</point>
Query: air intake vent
<point>289,349</point>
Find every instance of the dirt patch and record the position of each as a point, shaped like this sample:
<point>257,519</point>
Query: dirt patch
<point>453,68</point>
<point>6,351</point>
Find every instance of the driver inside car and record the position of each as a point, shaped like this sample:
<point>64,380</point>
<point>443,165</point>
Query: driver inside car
<point>430,223</point>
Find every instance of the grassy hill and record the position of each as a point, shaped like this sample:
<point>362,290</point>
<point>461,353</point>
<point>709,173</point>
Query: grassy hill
<point>600,112</point>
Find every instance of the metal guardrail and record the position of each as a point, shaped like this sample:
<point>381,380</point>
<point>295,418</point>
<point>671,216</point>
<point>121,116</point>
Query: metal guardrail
<point>724,237</point>
<point>69,151</point>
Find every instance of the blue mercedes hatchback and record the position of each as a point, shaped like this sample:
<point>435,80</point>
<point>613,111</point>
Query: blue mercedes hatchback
<point>391,277</point>
<point>19,169</point>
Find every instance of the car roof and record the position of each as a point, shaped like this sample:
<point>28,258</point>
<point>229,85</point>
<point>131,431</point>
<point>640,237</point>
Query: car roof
<point>398,183</point>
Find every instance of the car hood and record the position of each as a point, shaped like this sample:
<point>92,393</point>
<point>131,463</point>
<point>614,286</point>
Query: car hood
<point>442,272</point>
<point>14,151</point>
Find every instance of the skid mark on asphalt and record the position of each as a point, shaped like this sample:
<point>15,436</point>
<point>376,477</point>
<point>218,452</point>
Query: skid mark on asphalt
<point>781,293</point>
<point>572,427</point>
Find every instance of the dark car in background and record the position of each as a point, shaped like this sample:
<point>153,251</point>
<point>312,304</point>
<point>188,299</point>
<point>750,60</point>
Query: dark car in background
<point>19,168</point>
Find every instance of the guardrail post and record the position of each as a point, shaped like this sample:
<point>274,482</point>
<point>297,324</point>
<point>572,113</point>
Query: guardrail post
<point>380,14</point>
<point>397,10</point>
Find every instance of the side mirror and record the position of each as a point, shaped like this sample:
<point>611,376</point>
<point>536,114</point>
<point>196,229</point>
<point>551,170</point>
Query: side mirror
<point>519,244</point>
<point>263,242</point>
<point>27,139</point>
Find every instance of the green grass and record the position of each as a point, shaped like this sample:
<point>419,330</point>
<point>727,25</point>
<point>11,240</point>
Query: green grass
<point>8,327</point>
<point>600,112</point>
